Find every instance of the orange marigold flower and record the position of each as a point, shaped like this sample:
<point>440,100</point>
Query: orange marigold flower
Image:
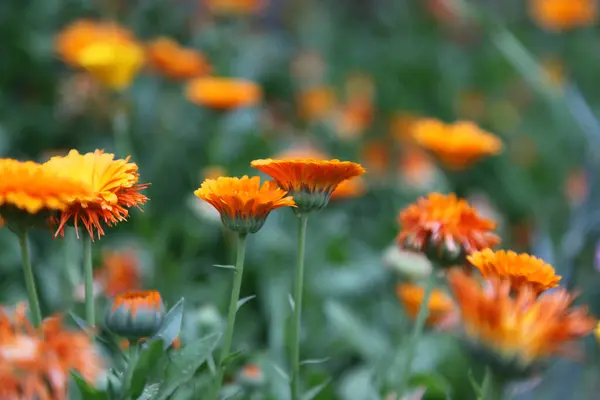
<point>114,182</point>
<point>38,363</point>
<point>223,93</point>
<point>445,221</point>
<point>559,15</point>
<point>518,269</point>
<point>525,328</point>
<point>243,203</point>
<point>176,62</point>
<point>31,187</point>
<point>135,315</point>
<point>311,182</point>
<point>235,6</point>
<point>120,272</point>
<point>411,296</point>
<point>349,188</point>
<point>316,103</point>
<point>457,145</point>
<point>109,52</point>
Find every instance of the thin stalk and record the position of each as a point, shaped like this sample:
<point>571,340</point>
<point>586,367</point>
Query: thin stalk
<point>235,296</point>
<point>298,289</point>
<point>88,278</point>
<point>492,387</point>
<point>416,334</point>
<point>34,303</point>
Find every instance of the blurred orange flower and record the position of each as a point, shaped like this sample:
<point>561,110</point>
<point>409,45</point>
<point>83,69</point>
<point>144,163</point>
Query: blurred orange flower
<point>349,188</point>
<point>445,220</point>
<point>223,93</point>
<point>376,157</point>
<point>411,296</point>
<point>120,272</point>
<point>212,172</point>
<point>174,61</point>
<point>115,185</point>
<point>38,363</point>
<point>457,145</point>
<point>518,269</point>
<point>577,186</point>
<point>243,203</point>
<point>559,15</point>
<point>401,126</point>
<point>525,328</point>
<point>108,51</point>
<point>316,103</point>
<point>416,167</point>
<point>235,6</point>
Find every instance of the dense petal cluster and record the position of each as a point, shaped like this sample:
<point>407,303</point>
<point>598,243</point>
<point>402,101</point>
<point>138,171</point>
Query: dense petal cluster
<point>223,93</point>
<point>311,182</point>
<point>37,364</point>
<point>114,183</point>
<point>108,51</point>
<point>242,202</point>
<point>174,61</point>
<point>411,296</point>
<point>518,269</point>
<point>559,15</point>
<point>457,145</point>
<point>445,220</point>
<point>524,328</point>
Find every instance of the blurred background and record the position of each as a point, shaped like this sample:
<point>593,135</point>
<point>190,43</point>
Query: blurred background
<point>346,78</point>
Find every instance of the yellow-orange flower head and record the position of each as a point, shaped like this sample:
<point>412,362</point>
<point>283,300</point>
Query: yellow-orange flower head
<point>174,61</point>
<point>457,145</point>
<point>114,182</point>
<point>517,269</point>
<point>522,329</point>
<point>109,52</point>
<point>37,364</point>
<point>411,296</point>
<point>243,203</point>
<point>560,15</point>
<point>223,93</point>
<point>311,182</point>
<point>446,223</point>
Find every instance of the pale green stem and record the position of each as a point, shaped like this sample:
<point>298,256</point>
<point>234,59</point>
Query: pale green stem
<point>298,289</point>
<point>34,303</point>
<point>416,334</point>
<point>88,278</point>
<point>233,302</point>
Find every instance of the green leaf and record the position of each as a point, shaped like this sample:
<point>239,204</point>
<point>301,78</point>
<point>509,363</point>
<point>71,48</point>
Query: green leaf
<point>185,362</point>
<point>315,361</point>
<point>225,266</point>
<point>82,324</point>
<point>280,371</point>
<point>312,393</point>
<point>243,301</point>
<point>87,391</point>
<point>171,325</point>
<point>474,384</point>
<point>231,357</point>
<point>150,392</point>
<point>435,385</point>
<point>147,361</point>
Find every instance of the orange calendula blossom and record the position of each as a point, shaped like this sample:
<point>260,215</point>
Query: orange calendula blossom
<point>316,103</point>
<point>107,51</point>
<point>223,93</point>
<point>518,269</point>
<point>135,315</point>
<point>119,273</point>
<point>457,145</point>
<point>243,203</point>
<point>560,15</point>
<point>524,329</point>
<point>174,61</point>
<point>311,182</point>
<point>37,363</point>
<point>447,223</point>
<point>411,296</point>
<point>114,183</point>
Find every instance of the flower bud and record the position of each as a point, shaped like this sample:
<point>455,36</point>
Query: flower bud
<point>135,315</point>
<point>251,376</point>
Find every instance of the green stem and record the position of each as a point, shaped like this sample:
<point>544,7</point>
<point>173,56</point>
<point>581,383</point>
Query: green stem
<point>88,278</point>
<point>131,362</point>
<point>492,387</point>
<point>34,303</point>
<point>233,303</point>
<point>416,335</point>
<point>298,289</point>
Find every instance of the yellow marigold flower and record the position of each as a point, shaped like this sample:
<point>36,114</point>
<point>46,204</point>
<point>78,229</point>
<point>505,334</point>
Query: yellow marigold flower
<point>120,272</point>
<point>135,315</point>
<point>174,61</point>
<point>109,52</point>
<point>37,363</point>
<point>114,183</point>
<point>445,223</point>
<point>559,15</point>
<point>316,103</point>
<point>411,296</point>
<point>243,203</point>
<point>223,93</point>
<point>457,145</point>
<point>228,7</point>
<point>32,188</point>
<point>311,182</point>
<point>518,269</point>
<point>522,329</point>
